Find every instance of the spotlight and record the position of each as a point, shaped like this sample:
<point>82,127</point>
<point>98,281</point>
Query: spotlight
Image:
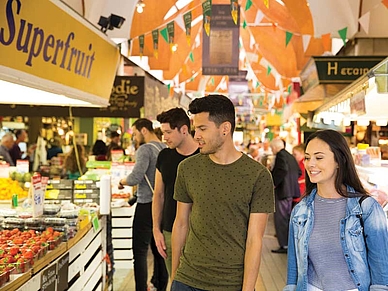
<point>140,6</point>
<point>113,21</point>
<point>116,21</point>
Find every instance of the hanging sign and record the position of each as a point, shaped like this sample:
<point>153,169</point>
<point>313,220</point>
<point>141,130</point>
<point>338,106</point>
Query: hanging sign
<point>188,18</point>
<point>220,51</point>
<point>155,40</point>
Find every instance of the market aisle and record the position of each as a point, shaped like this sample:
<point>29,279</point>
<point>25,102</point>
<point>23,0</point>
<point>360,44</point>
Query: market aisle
<point>272,271</point>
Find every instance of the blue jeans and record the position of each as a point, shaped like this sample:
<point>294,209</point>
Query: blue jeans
<point>178,286</point>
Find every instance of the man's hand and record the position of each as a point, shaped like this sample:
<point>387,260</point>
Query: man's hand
<point>160,243</point>
<point>121,185</point>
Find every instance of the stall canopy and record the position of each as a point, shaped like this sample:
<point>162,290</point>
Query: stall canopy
<point>56,52</point>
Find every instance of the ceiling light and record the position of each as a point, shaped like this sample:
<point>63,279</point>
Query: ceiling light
<point>140,6</point>
<point>174,47</point>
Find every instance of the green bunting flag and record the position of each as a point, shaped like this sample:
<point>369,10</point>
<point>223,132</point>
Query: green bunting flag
<point>187,18</point>
<point>257,84</point>
<point>164,33</point>
<point>288,37</point>
<point>245,24</point>
<point>269,69</point>
<point>289,89</point>
<point>168,87</point>
<point>207,14</point>
<point>191,56</point>
<point>141,44</point>
<point>212,81</point>
<point>155,39</point>
<point>342,32</point>
<point>248,5</point>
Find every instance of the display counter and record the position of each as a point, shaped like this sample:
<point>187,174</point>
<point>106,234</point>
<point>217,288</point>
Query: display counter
<point>75,265</point>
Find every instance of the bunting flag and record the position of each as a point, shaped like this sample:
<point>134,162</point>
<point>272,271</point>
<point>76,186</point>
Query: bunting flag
<point>326,41</point>
<point>252,41</point>
<point>248,5</point>
<point>364,22</point>
<point>164,33</point>
<point>274,25</point>
<point>288,37</point>
<point>212,81</point>
<point>385,2</point>
<point>289,88</point>
<point>269,69</point>
<point>245,24</point>
<point>259,17</point>
<point>342,32</point>
<point>266,3</point>
<point>141,44</point>
<point>257,84</point>
<point>188,18</point>
<point>207,13</point>
<point>191,56</point>
<point>234,10</point>
<point>155,39</point>
<point>170,30</point>
<point>306,41</point>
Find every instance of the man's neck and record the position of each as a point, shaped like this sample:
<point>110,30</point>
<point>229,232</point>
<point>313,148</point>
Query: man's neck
<point>151,137</point>
<point>188,146</point>
<point>226,155</point>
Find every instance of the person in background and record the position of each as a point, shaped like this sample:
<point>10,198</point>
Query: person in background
<point>253,152</point>
<point>298,153</point>
<point>6,145</point>
<point>143,175</point>
<point>175,126</point>
<point>285,174</point>
<point>338,240</point>
<point>100,150</point>
<point>224,198</point>
<point>75,162</point>
<point>55,147</point>
<point>15,152</point>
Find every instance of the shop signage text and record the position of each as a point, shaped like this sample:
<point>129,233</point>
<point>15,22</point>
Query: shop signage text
<point>51,43</point>
<point>42,44</point>
<point>333,70</point>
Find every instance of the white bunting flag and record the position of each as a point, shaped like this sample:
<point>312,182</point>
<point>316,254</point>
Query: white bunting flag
<point>306,40</point>
<point>364,22</point>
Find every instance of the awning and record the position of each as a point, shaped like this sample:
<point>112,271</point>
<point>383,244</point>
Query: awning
<point>53,49</point>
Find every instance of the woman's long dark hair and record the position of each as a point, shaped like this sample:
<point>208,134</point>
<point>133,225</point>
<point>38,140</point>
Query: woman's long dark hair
<point>347,173</point>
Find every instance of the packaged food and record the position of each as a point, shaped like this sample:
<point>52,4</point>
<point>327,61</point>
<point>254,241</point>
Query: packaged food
<point>51,209</point>
<point>13,222</point>
<point>54,221</point>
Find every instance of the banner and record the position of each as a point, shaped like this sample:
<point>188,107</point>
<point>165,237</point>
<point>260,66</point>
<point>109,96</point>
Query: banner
<point>220,51</point>
<point>207,14</point>
<point>188,18</point>
<point>52,48</point>
<point>155,40</point>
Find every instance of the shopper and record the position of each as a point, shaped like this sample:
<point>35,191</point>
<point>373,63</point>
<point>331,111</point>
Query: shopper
<point>15,152</point>
<point>6,145</point>
<point>224,198</point>
<point>175,126</point>
<point>143,175</point>
<point>298,153</point>
<point>100,150</point>
<point>336,242</point>
<point>285,174</point>
<point>75,162</point>
<point>55,148</point>
<point>114,145</point>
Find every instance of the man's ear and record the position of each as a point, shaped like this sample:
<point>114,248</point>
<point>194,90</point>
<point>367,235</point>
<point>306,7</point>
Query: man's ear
<point>143,130</point>
<point>226,127</point>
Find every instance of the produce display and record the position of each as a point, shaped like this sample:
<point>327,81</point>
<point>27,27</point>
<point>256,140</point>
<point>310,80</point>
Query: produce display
<point>8,187</point>
<point>20,249</point>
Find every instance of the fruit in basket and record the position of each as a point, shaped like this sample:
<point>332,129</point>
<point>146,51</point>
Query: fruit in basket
<point>8,187</point>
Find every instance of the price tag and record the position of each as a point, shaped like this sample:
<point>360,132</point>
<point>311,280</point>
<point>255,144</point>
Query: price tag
<point>63,273</point>
<point>96,223</point>
<point>48,279</point>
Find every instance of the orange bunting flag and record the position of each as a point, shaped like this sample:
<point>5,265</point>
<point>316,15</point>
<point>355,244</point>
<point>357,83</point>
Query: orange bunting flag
<point>385,2</point>
<point>326,42</point>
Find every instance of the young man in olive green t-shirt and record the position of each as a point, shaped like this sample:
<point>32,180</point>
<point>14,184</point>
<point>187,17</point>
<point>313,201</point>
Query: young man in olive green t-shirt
<point>224,198</point>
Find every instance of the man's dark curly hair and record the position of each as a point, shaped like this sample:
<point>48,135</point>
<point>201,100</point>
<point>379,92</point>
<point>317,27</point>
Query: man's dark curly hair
<point>219,107</point>
<point>176,117</point>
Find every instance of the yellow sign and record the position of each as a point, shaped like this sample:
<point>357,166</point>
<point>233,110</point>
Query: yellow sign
<point>49,41</point>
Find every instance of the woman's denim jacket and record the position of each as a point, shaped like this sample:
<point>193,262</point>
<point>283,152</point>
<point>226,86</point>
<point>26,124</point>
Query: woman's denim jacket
<point>357,256</point>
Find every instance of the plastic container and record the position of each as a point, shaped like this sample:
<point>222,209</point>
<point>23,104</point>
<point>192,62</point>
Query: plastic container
<point>13,222</point>
<point>54,221</point>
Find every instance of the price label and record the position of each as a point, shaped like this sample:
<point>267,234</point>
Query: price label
<point>48,279</point>
<point>63,273</point>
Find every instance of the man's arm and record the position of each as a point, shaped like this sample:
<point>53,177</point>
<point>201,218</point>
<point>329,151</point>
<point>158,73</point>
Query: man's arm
<point>280,169</point>
<point>140,168</point>
<point>157,214</point>
<point>256,228</point>
<point>179,233</point>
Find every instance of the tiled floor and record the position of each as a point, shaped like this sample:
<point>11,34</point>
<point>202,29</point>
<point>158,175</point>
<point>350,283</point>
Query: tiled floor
<point>272,270</point>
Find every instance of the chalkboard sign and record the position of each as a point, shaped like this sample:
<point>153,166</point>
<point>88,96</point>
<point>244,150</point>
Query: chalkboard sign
<point>63,271</point>
<point>49,278</point>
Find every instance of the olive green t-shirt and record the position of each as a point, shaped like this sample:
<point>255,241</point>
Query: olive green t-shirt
<point>223,196</point>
